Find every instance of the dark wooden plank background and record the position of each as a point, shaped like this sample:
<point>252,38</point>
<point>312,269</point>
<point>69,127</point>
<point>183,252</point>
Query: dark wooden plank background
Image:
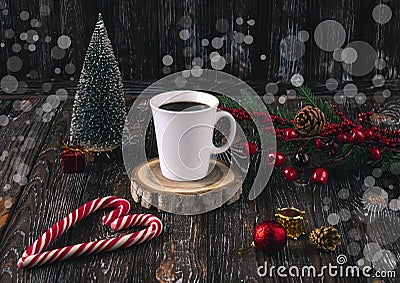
<point>198,248</point>
<point>142,32</point>
<point>192,249</point>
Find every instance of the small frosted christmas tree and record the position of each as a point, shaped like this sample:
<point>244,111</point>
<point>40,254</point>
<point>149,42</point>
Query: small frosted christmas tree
<point>99,109</point>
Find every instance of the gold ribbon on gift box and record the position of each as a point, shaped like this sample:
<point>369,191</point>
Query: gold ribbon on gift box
<point>81,149</point>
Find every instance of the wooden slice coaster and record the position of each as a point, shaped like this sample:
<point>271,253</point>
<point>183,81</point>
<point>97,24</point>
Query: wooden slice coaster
<point>149,183</point>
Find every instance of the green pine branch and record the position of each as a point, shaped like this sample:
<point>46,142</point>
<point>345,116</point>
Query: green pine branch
<point>308,96</point>
<point>324,106</point>
<point>357,156</point>
<point>228,102</point>
<point>248,101</point>
<point>254,139</point>
<point>245,101</point>
<point>389,161</point>
<point>281,112</point>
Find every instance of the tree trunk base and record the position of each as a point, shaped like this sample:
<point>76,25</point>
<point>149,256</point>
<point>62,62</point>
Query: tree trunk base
<point>149,186</point>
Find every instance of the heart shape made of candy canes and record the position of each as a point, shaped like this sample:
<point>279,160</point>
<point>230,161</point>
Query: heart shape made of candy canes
<point>116,219</point>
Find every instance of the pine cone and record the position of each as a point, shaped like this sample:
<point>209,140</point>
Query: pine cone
<point>309,121</point>
<point>325,238</point>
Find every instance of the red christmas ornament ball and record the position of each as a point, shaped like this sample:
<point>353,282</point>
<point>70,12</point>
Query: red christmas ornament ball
<point>290,173</point>
<point>269,237</point>
<point>374,153</point>
<point>318,143</point>
<point>290,134</point>
<point>276,159</point>
<point>319,176</point>
<point>357,136</point>
<point>249,148</point>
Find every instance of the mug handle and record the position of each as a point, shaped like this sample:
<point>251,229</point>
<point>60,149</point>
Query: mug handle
<point>232,132</point>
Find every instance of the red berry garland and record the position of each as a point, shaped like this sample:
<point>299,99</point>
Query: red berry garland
<point>249,149</point>
<point>340,140</point>
<point>276,159</point>
<point>343,138</point>
<point>319,176</point>
<point>374,153</point>
<point>369,135</point>
<point>357,136</point>
<point>290,134</point>
<point>318,143</point>
<point>290,173</point>
<point>381,136</point>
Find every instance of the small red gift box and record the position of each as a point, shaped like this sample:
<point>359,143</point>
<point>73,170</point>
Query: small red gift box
<point>73,159</point>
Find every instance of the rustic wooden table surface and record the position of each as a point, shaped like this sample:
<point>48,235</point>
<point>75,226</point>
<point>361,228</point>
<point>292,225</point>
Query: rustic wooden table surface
<point>198,248</point>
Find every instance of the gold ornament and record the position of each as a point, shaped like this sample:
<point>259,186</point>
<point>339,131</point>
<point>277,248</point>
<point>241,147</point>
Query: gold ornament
<point>388,115</point>
<point>378,119</point>
<point>325,238</point>
<point>292,219</point>
<point>309,121</point>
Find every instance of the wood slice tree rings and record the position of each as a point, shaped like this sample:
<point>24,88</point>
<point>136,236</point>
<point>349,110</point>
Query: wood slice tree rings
<point>149,186</point>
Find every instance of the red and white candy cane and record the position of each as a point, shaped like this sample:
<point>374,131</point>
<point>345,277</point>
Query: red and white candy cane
<point>116,219</point>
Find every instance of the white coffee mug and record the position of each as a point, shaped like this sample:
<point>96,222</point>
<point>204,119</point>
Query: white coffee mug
<point>185,138</point>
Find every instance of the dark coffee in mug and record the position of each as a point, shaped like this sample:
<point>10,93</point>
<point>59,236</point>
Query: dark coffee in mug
<point>179,106</point>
